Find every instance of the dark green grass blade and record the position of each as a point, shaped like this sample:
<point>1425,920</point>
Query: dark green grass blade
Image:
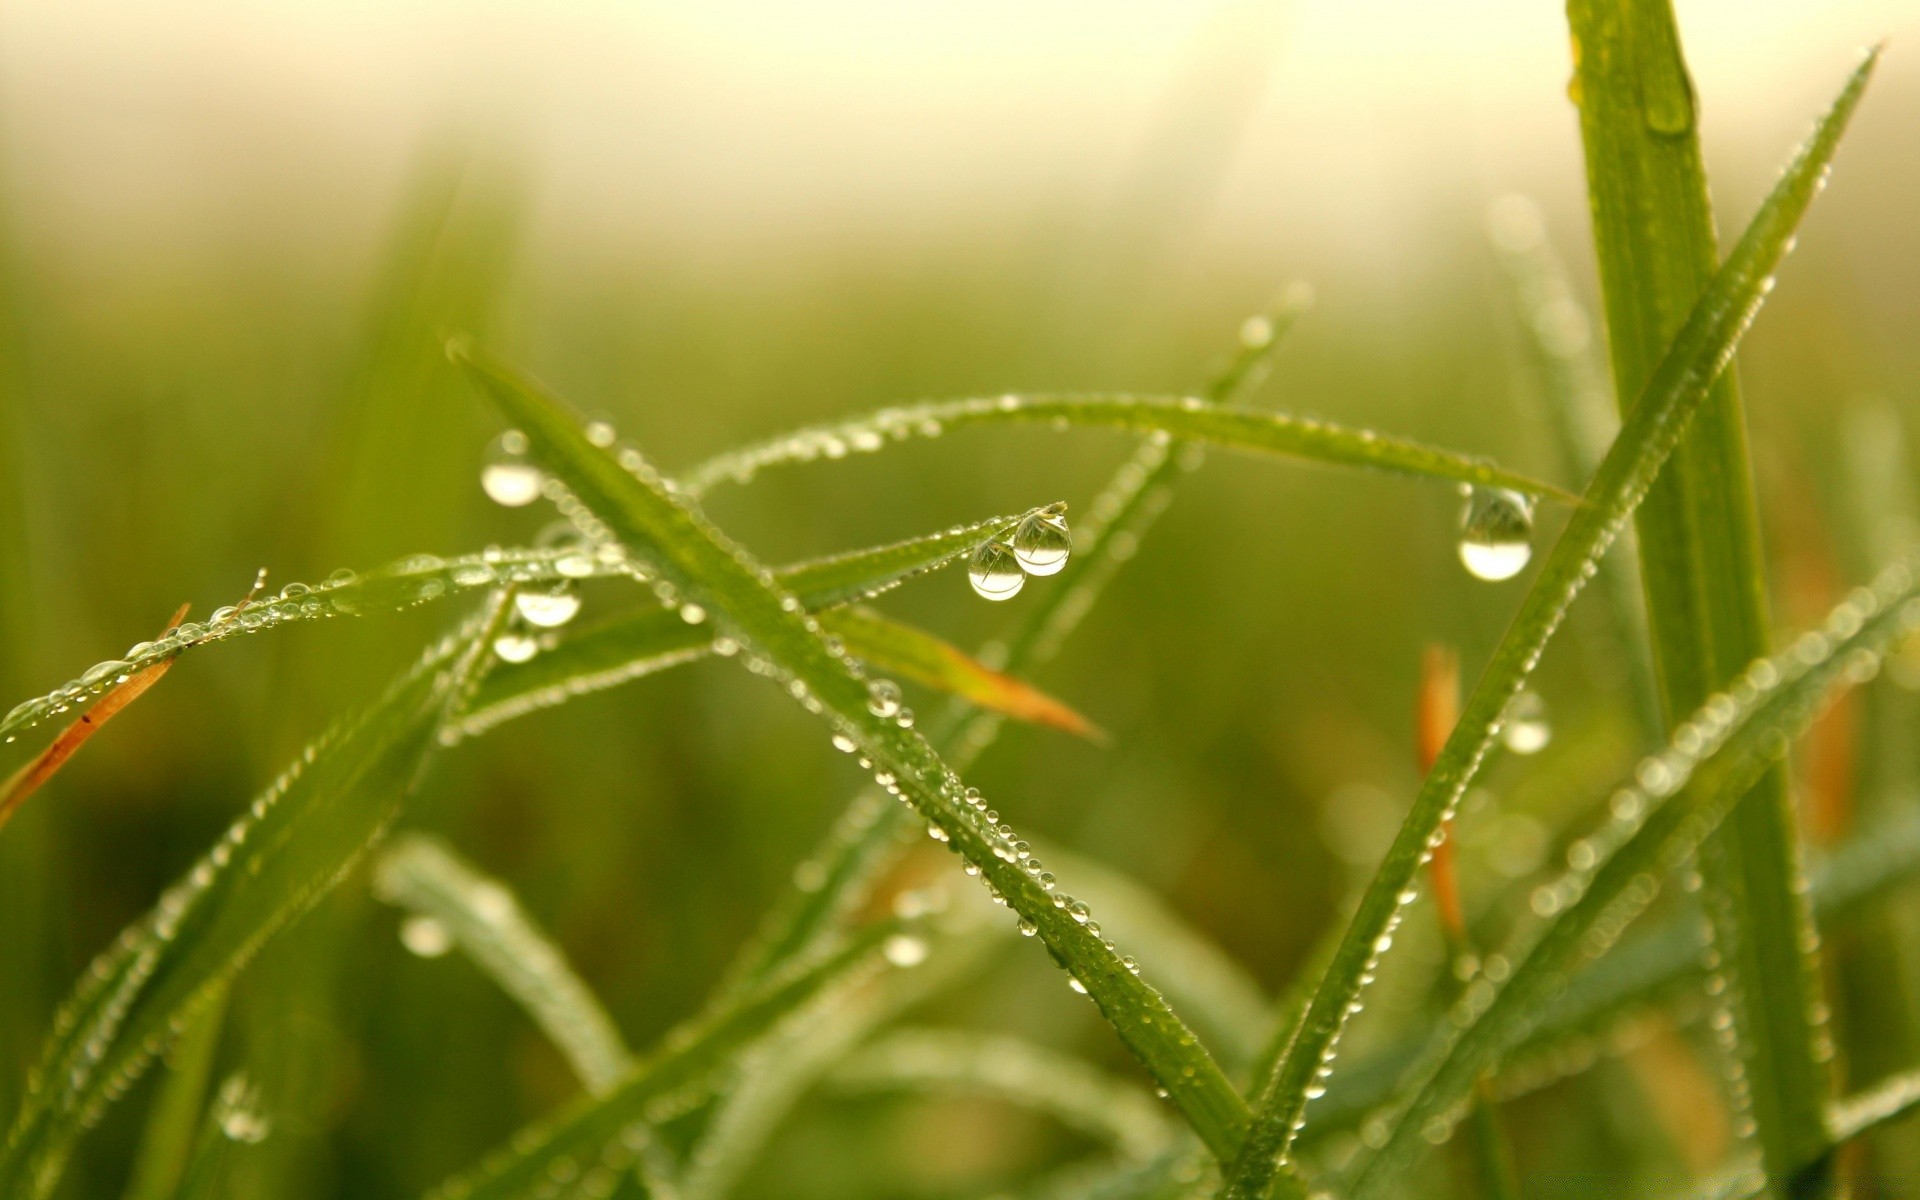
<point>779,640</point>
<point>620,649</point>
<point>586,1141</point>
<point>1188,418</point>
<point>1659,818</point>
<point>487,923</point>
<point>272,864</point>
<point>1699,541</point>
<point>1647,437</point>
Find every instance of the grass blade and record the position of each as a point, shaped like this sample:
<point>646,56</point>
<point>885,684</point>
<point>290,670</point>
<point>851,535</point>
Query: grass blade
<point>272,864</point>
<point>486,921</point>
<point>1188,418</point>
<point>1647,437</point>
<point>953,1062</point>
<point>1657,821</point>
<point>593,1130</point>
<point>173,1125</point>
<point>1699,543</point>
<point>781,641</point>
<point>620,649</point>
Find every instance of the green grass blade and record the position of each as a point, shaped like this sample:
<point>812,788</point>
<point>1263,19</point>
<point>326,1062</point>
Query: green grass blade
<point>272,864</point>
<point>174,1123</point>
<point>588,1140</point>
<point>621,649</point>
<point>1658,819</point>
<point>1647,437</point>
<point>1188,418</point>
<point>1699,542</point>
<point>485,920</point>
<point>952,1062</point>
<point>780,640</point>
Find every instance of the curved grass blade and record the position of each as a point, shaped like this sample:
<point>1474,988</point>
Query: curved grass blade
<point>429,879</point>
<point>1188,418</point>
<point>903,650</point>
<point>1658,820</point>
<point>780,641</point>
<point>625,648</point>
<point>589,1140</point>
<point>953,1062</point>
<point>273,864</point>
<point>1648,435</point>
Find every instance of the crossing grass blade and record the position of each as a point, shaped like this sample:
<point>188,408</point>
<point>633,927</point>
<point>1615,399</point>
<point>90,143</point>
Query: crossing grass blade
<point>1647,437</point>
<point>1657,820</point>
<point>174,1122</point>
<point>271,865</point>
<point>1189,418</point>
<point>621,649</point>
<point>780,640</point>
<point>427,878</point>
<point>588,1141</point>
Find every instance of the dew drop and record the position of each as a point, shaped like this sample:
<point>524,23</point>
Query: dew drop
<point>548,609</point>
<point>692,613</point>
<point>1526,730</point>
<point>995,573</point>
<point>1496,532</point>
<point>1073,981</point>
<point>425,936</point>
<point>515,647</point>
<point>904,951</point>
<point>1041,543</point>
<point>507,477</point>
<point>883,698</point>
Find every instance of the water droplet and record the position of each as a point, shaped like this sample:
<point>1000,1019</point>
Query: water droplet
<point>904,951</point>
<point>425,936</point>
<point>548,609</point>
<point>883,698</point>
<point>1042,543</point>
<point>515,647</point>
<point>995,573</point>
<point>507,477</point>
<point>601,433</point>
<point>237,1112</point>
<point>1027,928</point>
<point>1526,730</point>
<point>1496,532</point>
<point>692,613</point>
<point>1073,981</point>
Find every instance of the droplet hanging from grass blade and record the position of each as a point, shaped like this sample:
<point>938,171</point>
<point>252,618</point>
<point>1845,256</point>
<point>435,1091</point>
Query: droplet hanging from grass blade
<point>507,477</point>
<point>1496,533</point>
<point>995,573</point>
<point>1042,543</point>
<point>1525,729</point>
<point>548,609</point>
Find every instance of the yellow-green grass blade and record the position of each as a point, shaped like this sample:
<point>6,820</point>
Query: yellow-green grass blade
<point>1647,437</point>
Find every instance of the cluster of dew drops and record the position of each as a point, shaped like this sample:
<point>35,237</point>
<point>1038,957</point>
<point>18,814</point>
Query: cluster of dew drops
<point>1039,546</point>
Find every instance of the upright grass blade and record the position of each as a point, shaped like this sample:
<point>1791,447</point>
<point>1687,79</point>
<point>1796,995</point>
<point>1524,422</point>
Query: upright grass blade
<point>1699,543</point>
<point>1657,820</point>
<point>173,1124</point>
<point>1651,429</point>
<point>1188,418</point>
<point>486,921</point>
<point>588,1144</point>
<point>1018,1072</point>
<point>779,640</point>
<point>272,865</point>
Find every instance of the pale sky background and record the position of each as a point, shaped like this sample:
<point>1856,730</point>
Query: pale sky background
<point>741,123</point>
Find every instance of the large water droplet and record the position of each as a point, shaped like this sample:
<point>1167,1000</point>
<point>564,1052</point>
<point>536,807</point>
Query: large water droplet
<point>1496,533</point>
<point>1042,543</point>
<point>515,647</point>
<point>995,573</point>
<point>507,477</point>
<point>1526,730</point>
<point>883,698</point>
<point>548,609</point>
<point>425,936</point>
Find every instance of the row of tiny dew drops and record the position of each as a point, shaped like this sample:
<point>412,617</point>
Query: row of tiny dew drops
<point>1040,545</point>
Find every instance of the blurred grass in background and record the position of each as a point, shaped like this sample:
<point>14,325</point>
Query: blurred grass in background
<point>231,371</point>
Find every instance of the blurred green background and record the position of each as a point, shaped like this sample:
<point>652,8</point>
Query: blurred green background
<point>232,243</point>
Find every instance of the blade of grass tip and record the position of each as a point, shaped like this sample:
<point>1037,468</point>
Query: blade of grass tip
<point>124,690</point>
<point>830,881</point>
<point>628,647</point>
<point>1647,437</point>
<point>920,656</point>
<point>1437,711</point>
<point>833,880</point>
<point>273,864</point>
<point>174,1123</point>
<point>780,641</point>
<point>1673,803</point>
<point>955,1062</point>
<point>1189,418</point>
<point>589,1140</point>
<point>1699,545</point>
<point>483,918</point>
